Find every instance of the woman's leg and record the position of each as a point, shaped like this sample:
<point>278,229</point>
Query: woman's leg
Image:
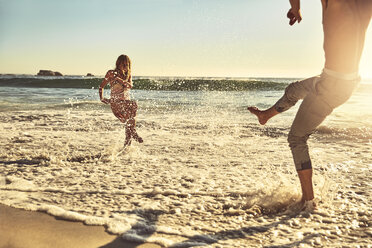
<point>121,109</point>
<point>132,132</point>
<point>128,135</point>
<point>131,109</point>
<point>126,112</point>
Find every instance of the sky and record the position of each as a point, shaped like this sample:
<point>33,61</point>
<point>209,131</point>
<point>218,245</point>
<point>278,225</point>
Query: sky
<point>214,38</point>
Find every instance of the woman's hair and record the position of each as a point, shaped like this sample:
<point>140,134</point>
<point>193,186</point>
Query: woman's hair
<point>124,59</point>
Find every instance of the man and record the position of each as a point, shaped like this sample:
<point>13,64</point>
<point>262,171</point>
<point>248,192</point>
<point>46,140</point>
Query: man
<point>345,24</point>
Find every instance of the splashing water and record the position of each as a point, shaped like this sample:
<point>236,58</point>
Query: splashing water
<point>208,174</point>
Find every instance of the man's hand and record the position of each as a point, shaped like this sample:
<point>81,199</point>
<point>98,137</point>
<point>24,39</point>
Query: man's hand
<point>105,100</point>
<point>293,16</point>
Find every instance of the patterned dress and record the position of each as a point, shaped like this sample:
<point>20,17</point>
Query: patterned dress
<point>121,105</point>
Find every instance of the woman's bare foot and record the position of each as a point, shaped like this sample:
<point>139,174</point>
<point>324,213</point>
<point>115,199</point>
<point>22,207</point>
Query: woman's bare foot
<point>137,138</point>
<point>127,142</point>
<point>262,118</point>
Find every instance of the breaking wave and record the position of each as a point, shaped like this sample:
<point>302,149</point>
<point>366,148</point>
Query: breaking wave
<point>170,84</point>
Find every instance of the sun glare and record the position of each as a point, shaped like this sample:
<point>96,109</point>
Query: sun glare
<point>366,61</point>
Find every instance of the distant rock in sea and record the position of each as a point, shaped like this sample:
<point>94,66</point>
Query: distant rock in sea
<point>90,75</point>
<point>49,73</point>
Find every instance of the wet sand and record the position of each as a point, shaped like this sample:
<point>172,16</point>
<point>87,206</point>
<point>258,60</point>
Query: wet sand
<point>21,228</point>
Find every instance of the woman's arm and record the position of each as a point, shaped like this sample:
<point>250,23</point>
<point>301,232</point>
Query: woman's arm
<point>125,83</point>
<point>130,82</point>
<point>102,85</point>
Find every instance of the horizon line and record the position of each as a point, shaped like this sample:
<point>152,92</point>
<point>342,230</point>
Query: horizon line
<point>148,76</point>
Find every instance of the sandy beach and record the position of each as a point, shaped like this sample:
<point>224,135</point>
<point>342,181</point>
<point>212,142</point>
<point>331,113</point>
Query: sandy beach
<point>28,229</point>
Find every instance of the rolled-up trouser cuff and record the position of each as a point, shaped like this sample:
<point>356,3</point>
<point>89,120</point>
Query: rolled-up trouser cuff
<point>304,166</point>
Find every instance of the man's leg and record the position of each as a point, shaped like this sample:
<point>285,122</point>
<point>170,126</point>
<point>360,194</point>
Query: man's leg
<point>306,180</point>
<point>312,112</point>
<point>307,119</point>
<point>294,92</point>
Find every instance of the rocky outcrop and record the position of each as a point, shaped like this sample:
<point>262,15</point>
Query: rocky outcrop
<point>90,75</point>
<point>49,73</point>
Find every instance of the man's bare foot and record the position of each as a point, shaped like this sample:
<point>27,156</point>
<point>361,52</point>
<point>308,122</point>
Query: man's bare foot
<point>302,206</point>
<point>262,117</point>
<point>309,206</point>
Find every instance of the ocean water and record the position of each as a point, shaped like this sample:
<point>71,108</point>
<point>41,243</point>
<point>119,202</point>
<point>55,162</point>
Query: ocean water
<point>207,175</point>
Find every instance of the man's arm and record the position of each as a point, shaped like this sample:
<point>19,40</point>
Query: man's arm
<point>294,14</point>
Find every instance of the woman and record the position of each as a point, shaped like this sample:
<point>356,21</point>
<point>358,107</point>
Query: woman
<point>124,109</point>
